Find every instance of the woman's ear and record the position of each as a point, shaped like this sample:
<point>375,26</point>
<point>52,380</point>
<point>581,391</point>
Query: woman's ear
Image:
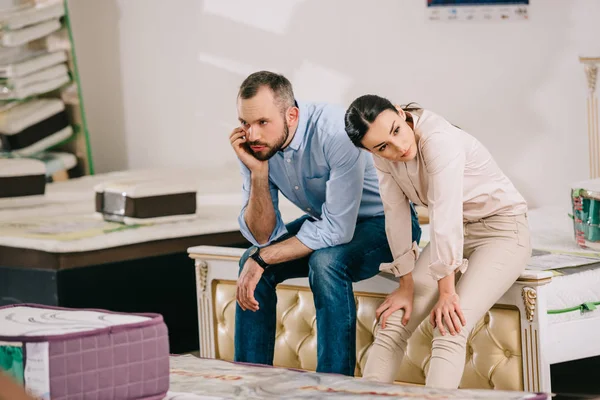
<point>401,112</point>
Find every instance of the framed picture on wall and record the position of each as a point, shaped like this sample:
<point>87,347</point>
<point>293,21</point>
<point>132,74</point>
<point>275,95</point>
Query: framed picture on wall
<point>477,10</point>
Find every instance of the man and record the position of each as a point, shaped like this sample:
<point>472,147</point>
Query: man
<point>302,151</point>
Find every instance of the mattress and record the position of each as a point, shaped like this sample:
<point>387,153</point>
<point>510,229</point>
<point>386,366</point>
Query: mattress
<point>54,161</point>
<point>34,126</point>
<point>21,180</point>
<point>26,13</point>
<point>51,140</point>
<point>36,83</point>
<point>15,5</point>
<point>57,161</point>
<point>19,37</point>
<point>195,378</point>
<point>571,288</point>
<point>63,353</point>
<point>21,116</point>
<point>55,41</point>
<point>21,61</point>
<point>146,201</point>
<point>575,296</point>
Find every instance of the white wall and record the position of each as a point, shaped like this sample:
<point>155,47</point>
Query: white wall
<point>160,76</point>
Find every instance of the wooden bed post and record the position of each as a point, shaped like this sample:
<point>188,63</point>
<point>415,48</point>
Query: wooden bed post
<point>213,263</point>
<point>205,310</point>
<point>530,298</point>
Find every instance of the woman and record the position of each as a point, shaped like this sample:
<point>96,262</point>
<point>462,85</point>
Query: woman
<point>477,219</point>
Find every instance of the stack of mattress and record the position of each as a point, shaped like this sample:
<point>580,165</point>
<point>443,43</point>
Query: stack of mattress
<point>27,70</point>
<point>35,70</point>
<point>59,353</point>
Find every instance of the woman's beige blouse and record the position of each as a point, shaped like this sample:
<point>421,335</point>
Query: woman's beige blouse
<point>456,178</point>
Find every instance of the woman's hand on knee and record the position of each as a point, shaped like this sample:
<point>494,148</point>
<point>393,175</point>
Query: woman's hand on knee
<point>399,299</point>
<point>447,311</point>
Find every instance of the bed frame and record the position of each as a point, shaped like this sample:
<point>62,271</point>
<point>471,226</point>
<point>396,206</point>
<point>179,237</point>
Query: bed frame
<point>511,348</point>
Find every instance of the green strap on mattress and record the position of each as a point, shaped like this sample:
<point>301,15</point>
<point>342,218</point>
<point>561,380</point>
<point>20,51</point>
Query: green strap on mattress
<point>585,307</point>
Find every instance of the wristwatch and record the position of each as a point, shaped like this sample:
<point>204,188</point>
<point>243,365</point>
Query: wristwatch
<point>255,255</point>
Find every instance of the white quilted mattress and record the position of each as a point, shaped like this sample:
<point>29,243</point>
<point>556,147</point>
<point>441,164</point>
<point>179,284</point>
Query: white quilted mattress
<point>552,230</point>
<point>571,291</point>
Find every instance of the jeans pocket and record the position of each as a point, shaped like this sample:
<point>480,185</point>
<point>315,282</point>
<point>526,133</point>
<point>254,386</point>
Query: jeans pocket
<point>501,224</point>
<point>505,227</point>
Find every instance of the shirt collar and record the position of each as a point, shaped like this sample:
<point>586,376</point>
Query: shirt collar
<point>301,128</point>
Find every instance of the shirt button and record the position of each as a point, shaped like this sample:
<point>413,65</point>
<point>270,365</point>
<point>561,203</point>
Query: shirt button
<point>289,160</point>
<point>296,187</point>
<point>308,209</point>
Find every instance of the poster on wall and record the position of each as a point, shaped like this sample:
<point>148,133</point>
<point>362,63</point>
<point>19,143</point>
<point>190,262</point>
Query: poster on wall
<point>477,10</point>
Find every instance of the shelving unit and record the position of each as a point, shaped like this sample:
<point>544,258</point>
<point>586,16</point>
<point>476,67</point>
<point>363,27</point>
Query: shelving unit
<point>41,106</point>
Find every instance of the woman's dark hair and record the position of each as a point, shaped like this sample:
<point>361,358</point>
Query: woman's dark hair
<point>364,110</point>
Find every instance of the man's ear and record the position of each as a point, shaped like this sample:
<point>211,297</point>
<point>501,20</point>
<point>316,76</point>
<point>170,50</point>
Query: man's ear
<point>292,114</point>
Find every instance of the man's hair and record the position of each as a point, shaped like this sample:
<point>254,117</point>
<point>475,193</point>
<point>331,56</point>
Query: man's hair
<point>279,84</point>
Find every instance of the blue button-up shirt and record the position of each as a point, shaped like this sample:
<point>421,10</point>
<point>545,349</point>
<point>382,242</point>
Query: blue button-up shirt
<point>325,175</point>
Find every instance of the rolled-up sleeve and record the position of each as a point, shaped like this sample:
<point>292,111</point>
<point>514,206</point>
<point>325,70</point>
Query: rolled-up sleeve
<point>398,223</point>
<point>342,196</point>
<point>280,228</point>
<point>444,160</point>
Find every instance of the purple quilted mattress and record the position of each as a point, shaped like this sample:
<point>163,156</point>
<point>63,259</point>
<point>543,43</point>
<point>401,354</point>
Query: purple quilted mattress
<point>60,354</point>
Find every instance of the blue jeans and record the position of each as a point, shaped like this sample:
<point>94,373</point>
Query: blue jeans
<point>330,272</point>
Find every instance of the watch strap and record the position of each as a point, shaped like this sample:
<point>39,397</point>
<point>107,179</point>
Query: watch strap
<point>259,260</point>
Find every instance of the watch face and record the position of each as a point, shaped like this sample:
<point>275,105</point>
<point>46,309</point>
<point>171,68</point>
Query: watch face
<point>253,251</point>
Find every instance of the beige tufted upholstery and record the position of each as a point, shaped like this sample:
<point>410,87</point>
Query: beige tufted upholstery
<point>493,354</point>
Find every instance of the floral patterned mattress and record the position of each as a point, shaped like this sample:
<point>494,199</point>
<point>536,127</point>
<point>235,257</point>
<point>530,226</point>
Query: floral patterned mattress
<point>194,378</point>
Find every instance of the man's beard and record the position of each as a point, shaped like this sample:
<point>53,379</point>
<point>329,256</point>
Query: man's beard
<point>272,149</point>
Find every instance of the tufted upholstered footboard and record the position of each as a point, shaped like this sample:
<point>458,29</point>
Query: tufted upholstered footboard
<point>503,349</point>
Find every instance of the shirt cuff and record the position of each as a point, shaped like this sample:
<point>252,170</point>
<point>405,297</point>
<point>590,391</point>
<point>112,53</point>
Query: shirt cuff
<point>403,264</point>
<point>439,269</point>
<point>316,239</point>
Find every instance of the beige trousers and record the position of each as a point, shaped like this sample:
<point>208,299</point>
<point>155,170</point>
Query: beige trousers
<point>498,249</point>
